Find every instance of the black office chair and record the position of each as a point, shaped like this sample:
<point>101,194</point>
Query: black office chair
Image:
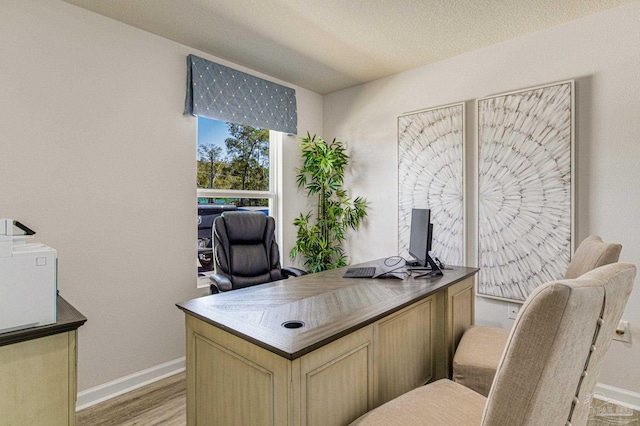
<point>245,252</point>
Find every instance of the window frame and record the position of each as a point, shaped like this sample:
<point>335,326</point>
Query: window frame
<point>273,194</point>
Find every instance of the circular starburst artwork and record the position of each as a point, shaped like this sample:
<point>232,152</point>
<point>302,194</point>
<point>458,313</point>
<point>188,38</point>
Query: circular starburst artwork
<point>524,189</point>
<point>430,175</point>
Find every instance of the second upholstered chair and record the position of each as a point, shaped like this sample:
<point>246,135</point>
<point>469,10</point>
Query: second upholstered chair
<point>549,367</point>
<point>479,351</point>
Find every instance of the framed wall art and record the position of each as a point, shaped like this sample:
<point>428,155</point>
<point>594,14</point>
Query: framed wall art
<point>525,189</point>
<point>431,175</point>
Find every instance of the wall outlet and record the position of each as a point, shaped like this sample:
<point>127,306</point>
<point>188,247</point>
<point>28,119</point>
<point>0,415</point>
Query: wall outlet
<point>512,310</point>
<point>623,333</point>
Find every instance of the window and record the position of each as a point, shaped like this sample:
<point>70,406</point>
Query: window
<point>236,170</point>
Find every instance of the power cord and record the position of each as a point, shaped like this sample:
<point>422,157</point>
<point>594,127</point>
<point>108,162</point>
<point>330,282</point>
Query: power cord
<point>401,262</point>
<point>396,262</point>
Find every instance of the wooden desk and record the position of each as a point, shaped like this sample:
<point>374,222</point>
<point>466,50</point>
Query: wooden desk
<point>363,342</point>
<point>38,371</point>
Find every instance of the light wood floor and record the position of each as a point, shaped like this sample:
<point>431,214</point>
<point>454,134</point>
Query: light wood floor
<point>161,403</point>
<point>164,403</point>
<point>603,413</point>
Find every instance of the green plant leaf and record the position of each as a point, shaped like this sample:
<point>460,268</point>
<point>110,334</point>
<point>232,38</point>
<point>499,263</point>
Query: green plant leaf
<point>319,239</point>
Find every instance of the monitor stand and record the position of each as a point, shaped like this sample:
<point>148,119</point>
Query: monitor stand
<point>434,269</point>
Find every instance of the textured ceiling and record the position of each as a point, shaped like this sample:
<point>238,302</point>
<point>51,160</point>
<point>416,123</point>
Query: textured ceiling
<point>328,45</point>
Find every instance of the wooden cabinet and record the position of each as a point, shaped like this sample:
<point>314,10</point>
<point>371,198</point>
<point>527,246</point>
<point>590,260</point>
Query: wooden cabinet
<point>38,372</point>
<point>405,347</point>
<point>234,379</point>
<point>362,343</point>
<point>231,381</point>
<point>336,381</point>
<point>458,315</point>
<point>37,381</point>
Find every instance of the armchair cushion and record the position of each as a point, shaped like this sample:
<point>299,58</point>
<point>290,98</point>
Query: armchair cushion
<point>477,357</point>
<point>441,403</point>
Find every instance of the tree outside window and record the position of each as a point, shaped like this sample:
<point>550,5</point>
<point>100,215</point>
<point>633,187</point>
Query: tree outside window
<point>240,163</point>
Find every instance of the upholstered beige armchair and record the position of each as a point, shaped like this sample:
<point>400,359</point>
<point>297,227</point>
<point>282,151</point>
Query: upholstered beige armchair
<point>548,370</point>
<point>480,349</point>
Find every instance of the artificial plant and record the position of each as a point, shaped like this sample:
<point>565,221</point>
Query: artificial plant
<point>320,238</point>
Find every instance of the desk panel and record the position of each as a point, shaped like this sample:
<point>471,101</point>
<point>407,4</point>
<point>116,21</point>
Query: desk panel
<point>405,350</point>
<point>363,342</point>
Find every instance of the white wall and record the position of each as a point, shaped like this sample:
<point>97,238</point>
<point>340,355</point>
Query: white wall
<point>96,156</point>
<point>601,52</point>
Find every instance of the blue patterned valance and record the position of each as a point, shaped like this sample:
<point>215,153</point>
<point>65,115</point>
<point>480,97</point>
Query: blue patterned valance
<point>220,92</point>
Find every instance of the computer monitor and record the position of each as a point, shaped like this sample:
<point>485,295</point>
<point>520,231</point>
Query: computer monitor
<point>420,240</point>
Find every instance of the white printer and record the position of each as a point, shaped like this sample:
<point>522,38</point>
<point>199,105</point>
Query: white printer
<point>28,280</point>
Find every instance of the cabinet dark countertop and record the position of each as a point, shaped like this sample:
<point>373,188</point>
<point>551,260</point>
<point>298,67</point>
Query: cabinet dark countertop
<point>68,319</point>
<point>328,306</point>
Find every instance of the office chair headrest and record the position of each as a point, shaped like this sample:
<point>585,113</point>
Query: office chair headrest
<point>245,227</point>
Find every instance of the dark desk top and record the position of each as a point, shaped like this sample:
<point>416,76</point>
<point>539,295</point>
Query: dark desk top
<point>329,306</point>
<point>68,319</point>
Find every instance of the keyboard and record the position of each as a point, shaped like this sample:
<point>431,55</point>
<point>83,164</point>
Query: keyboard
<point>366,272</point>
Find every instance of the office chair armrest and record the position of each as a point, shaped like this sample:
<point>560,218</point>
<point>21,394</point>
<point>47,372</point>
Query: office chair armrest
<point>292,272</point>
<point>219,283</point>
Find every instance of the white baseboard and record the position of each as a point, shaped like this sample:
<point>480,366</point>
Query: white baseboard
<point>117,387</point>
<point>109,390</point>
<point>617,396</point>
